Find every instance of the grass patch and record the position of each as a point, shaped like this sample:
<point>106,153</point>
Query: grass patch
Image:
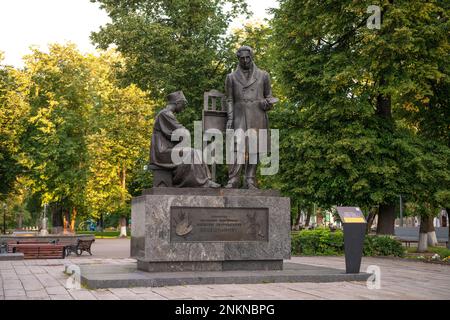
<point>443,252</point>
<point>102,235</point>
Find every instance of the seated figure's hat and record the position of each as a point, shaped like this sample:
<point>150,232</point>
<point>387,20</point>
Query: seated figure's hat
<point>176,96</point>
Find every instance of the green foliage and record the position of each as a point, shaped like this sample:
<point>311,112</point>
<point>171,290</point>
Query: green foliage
<point>84,136</point>
<point>323,242</point>
<point>118,140</point>
<point>171,45</point>
<point>55,139</point>
<point>339,143</point>
<point>382,246</point>
<point>320,242</point>
<point>13,110</point>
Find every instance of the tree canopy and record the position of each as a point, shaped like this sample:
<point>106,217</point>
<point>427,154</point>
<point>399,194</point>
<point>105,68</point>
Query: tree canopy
<point>172,45</point>
<point>351,132</point>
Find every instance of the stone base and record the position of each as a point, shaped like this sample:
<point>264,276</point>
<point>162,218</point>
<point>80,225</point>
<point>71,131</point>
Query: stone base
<point>150,266</point>
<point>196,229</point>
<point>126,276</point>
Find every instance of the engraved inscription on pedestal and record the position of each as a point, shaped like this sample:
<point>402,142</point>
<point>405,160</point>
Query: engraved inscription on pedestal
<point>195,224</point>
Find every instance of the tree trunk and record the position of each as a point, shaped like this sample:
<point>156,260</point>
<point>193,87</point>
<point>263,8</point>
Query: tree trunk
<point>383,108</point>
<point>386,219</point>
<point>296,224</point>
<point>19,220</point>
<point>123,227</point>
<point>66,219</point>
<point>100,223</point>
<point>370,218</point>
<point>72,220</point>
<point>426,226</point>
<point>297,221</point>
<point>432,239</point>
<point>448,225</point>
<point>308,217</point>
<point>320,218</point>
<point>57,219</point>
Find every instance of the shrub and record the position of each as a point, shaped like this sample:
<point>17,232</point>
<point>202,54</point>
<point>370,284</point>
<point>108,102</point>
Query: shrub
<point>323,242</point>
<point>318,242</point>
<point>382,246</point>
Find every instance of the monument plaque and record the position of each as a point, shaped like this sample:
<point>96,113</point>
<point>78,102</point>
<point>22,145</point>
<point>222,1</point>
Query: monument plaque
<point>196,224</point>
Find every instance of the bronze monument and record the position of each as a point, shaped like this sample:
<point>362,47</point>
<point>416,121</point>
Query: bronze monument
<point>248,98</point>
<point>194,174</point>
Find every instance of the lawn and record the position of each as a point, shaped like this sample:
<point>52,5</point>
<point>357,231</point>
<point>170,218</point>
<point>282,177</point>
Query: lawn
<point>433,254</point>
<point>102,235</point>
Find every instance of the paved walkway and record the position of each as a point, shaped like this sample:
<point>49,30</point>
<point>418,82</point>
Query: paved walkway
<point>44,279</point>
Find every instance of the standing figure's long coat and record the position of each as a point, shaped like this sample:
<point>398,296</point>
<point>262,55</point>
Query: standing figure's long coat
<point>246,99</point>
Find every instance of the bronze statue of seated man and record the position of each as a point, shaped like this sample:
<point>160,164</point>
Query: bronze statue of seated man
<point>194,174</point>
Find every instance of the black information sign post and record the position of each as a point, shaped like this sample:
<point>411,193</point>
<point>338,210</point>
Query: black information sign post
<point>354,232</point>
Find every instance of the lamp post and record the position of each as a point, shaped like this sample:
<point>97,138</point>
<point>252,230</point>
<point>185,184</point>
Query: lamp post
<point>401,211</point>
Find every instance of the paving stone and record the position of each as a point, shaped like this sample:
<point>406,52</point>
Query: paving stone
<point>56,290</point>
<point>10,276</point>
<point>16,298</point>
<point>32,286</point>
<point>82,295</point>
<point>47,280</point>
<point>22,270</point>
<point>171,293</point>
<point>122,292</point>
<point>104,295</point>
<point>400,280</point>
<point>14,292</point>
<point>61,297</point>
<point>5,265</point>
<point>37,270</point>
<point>140,290</point>
<point>37,293</point>
<point>12,284</point>
<point>151,296</point>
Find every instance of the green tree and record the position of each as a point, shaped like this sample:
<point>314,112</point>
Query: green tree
<point>13,110</point>
<point>171,45</point>
<point>349,87</point>
<point>55,141</point>
<point>118,141</point>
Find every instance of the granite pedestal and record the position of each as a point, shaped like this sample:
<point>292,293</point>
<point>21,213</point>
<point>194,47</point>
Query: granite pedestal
<point>188,230</point>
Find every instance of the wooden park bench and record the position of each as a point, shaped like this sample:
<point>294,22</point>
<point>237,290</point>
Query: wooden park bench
<point>82,245</point>
<point>39,250</point>
<point>409,235</point>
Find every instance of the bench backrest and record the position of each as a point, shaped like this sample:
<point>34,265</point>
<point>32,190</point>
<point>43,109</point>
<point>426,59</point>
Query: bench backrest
<point>85,244</point>
<point>413,232</point>
<point>40,251</point>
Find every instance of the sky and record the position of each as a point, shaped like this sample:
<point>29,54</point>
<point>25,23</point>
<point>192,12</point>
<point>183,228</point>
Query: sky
<point>39,22</point>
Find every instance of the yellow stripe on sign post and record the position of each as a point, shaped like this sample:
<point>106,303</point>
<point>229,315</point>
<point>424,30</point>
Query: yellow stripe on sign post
<point>354,220</point>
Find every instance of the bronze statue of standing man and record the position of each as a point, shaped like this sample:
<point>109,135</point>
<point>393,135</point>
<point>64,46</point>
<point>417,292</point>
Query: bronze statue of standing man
<point>248,98</point>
